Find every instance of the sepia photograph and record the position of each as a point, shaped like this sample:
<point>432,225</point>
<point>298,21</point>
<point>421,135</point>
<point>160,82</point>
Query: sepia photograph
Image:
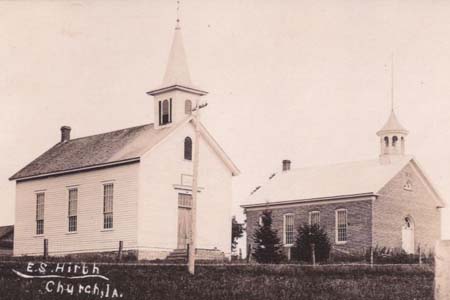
<point>239,149</point>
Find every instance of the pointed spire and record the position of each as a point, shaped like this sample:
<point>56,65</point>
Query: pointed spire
<point>392,126</point>
<point>177,70</point>
<point>392,82</point>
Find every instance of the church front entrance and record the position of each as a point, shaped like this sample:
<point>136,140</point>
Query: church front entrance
<point>184,220</point>
<point>408,235</point>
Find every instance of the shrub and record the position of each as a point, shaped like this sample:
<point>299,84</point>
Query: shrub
<point>308,235</point>
<point>267,244</point>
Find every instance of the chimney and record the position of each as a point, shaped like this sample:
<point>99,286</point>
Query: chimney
<point>286,165</point>
<point>65,133</point>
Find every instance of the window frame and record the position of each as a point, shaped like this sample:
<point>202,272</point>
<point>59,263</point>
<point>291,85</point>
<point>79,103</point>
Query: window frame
<point>310,216</point>
<point>339,242</point>
<point>162,112</point>
<point>40,219</point>
<point>187,107</point>
<point>71,216</point>
<point>285,238</point>
<point>187,152</point>
<point>185,200</point>
<point>105,212</point>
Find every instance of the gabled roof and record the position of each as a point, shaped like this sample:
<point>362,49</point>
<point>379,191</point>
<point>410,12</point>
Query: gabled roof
<point>107,149</point>
<point>120,146</point>
<point>330,181</point>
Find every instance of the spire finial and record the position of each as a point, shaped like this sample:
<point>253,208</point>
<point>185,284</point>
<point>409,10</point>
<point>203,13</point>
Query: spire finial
<point>392,82</point>
<point>178,15</point>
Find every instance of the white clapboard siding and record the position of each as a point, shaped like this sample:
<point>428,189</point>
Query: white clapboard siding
<point>90,236</point>
<point>163,168</point>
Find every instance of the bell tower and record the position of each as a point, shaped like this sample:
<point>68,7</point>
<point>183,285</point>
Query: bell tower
<point>177,96</point>
<point>392,139</point>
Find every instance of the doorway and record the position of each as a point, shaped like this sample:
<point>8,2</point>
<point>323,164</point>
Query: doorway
<point>408,235</point>
<point>184,220</point>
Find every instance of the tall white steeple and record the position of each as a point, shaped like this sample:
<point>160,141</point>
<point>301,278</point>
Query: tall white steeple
<point>176,97</point>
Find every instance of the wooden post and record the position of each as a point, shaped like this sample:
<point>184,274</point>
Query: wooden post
<point>249,252</point>
<point>119,254</point>
<point>313,254</point>
<point>240,253</point>
<point>187,253</point>
<point>196,120</point>
<point>45,249</point>
<point>420,256</point>
<point>371,256</point>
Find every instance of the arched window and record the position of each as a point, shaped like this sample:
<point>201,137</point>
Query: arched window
<point>187,107</point>
<point>386,141</point>
<point>394,141</point>
<point>165,112</point>
<point>188,148</point>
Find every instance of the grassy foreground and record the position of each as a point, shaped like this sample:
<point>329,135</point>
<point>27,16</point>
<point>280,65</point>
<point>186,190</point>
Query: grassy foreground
<point>225,282</point>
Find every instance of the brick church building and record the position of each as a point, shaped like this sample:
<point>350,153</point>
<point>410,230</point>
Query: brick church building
<point>385,202</point>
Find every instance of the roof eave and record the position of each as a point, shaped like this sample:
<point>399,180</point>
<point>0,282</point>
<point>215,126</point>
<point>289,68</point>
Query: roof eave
<point>75,170</point>
<point>177,87</point>
<point>311,200</point>
<point>392,131</point>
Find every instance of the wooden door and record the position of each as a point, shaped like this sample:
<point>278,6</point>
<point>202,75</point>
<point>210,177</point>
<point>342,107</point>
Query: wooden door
<point>184,226</point>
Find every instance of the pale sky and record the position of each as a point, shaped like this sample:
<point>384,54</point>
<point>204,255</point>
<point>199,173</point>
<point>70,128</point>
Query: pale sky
<point>308,81</point>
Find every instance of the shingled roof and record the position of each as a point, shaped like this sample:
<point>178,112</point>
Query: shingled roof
<point>329,181</point>
<point>118,146</point>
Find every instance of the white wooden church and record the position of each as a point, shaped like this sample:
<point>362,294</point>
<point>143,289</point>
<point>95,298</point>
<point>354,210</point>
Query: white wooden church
<point>133,185</point>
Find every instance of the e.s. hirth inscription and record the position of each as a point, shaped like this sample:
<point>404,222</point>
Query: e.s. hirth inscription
<point>61,278</point>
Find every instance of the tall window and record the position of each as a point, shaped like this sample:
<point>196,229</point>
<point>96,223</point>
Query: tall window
<point>188,148</point>
<point>386,141</point>
<point>188,107</point>
<point>108,197</point>
<point>73,208</point>
<point>288,232</point>
<point>40,199</point>
<point>314,217</point>
<point>341,226</point>
<point>165,112</point>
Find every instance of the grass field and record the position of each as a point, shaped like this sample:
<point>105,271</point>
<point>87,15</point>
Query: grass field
<point>226,282</point>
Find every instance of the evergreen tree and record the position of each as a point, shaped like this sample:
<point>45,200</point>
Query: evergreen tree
<point>311,234</point>
<point>237,231</point>
<point>267,246</point>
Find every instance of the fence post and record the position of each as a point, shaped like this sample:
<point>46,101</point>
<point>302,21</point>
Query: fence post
<point>371,256</point>
<point>119,254</point>
<point>420,256</point>
<point>249,252</point>
<point>313,253</point>
<point>45,249</point>
<point>187,253</point>
<point>240,253</point>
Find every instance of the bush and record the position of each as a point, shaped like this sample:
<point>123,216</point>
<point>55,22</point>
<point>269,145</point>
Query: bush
<point>267,244</point>
<point>308,235</point>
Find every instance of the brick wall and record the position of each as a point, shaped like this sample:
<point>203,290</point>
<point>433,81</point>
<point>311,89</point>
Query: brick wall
<point>395,203</point>
<point>358,217</point>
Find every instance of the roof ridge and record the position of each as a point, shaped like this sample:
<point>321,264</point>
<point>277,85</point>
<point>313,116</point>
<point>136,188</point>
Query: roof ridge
<point>337,163</point>
<point>92,135</point>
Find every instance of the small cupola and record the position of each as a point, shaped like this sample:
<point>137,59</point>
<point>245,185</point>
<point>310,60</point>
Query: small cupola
<point>392,137</point>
